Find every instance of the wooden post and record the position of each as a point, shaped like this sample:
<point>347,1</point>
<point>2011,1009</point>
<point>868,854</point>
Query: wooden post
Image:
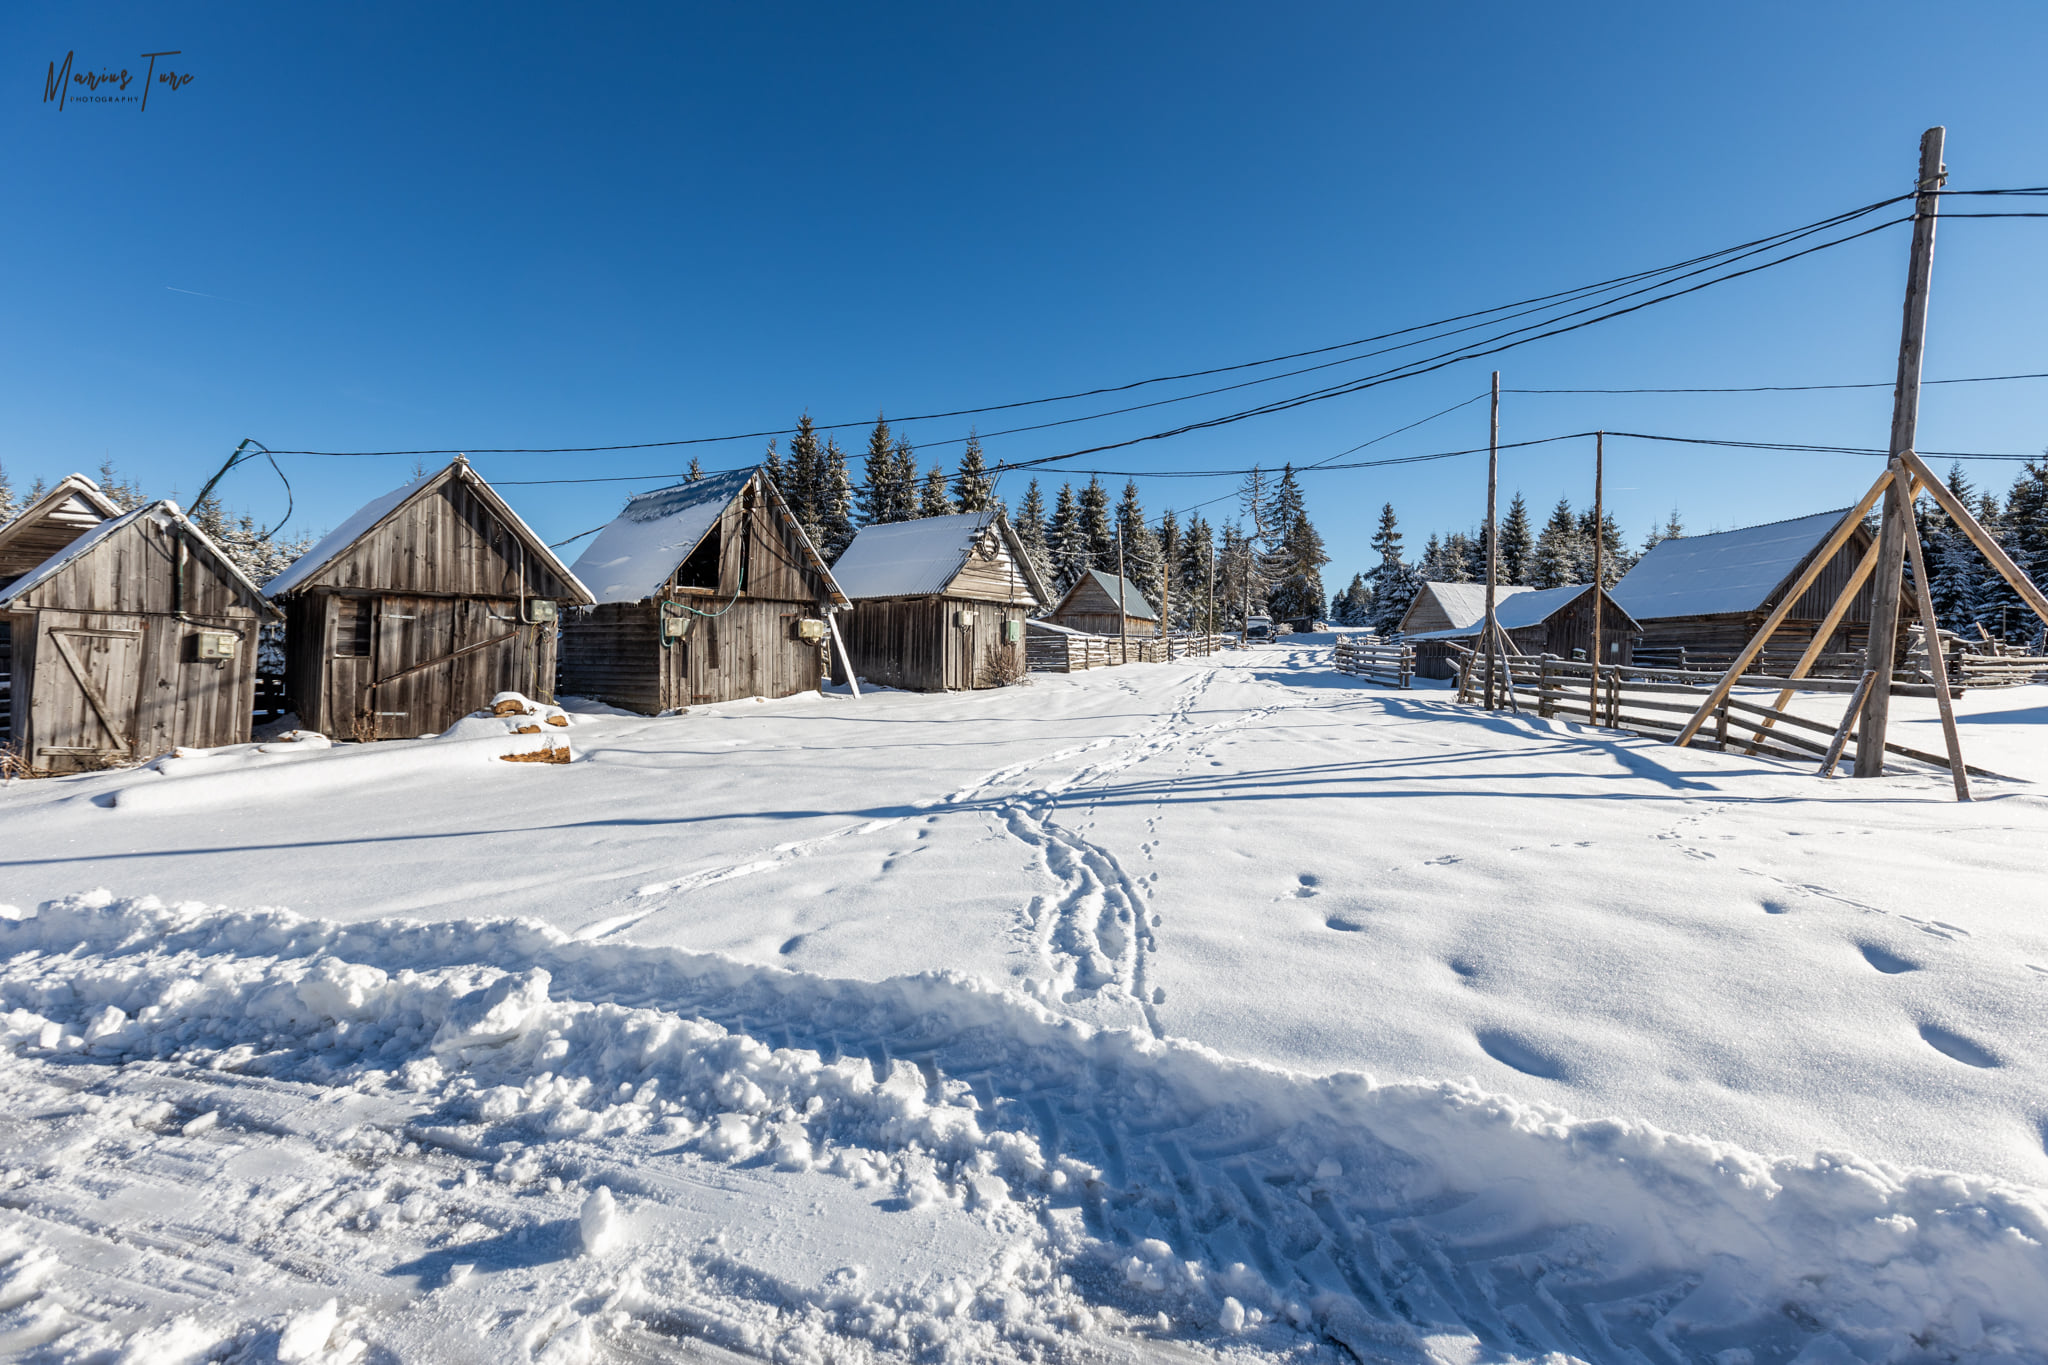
<point>1123,615</point>
<point>1492,627</point>
<point>1936,665</point>
<point>1599,466</point>
<point>1856,700</point>
<point>1166,598</point>
<point>1721,728</point>
<point>1982,539</point>
<point>1211,632</point>
<point>1891,555</point>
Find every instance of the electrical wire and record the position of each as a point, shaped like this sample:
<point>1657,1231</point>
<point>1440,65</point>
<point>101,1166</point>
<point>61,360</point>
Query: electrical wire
<point>1798,388</point>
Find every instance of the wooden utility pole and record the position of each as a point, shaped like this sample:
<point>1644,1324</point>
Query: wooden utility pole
<point>1123,615</point>
<point>1209,644</point>
<point>1891,542</point>
<point>1599,566</point>
<point>1166,591</point>
<point>1492,628</point>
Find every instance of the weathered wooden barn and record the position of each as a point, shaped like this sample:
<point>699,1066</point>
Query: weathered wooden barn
<point>1451,606</point>
<point>1091,605</point>
<point>135,638</point>
<point>40,530</point>
<point>706,591</point>
<point>418,609</point>
<point>939,603</point>
<point>1700,598</point>
<point>1537,621</point>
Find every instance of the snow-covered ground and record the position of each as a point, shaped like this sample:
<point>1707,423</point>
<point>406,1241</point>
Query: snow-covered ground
<point>1224,1008</point>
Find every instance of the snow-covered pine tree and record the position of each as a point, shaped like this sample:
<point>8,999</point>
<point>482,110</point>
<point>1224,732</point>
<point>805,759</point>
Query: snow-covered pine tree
<point>933,500</point>
<point>1029,523</point>
<point>123,494</point>
<point>1237,594</point>
<point>778,473</point>
<point>903,482</point>
<point>1353,606</point>
<point>1173,605</point>
<point>1672,529</point>
<point>1297,591</point>
<point>1475,556</point>
<point>1431,565</point>
<point>972,486</point>
<point>806,489</point>
<point>1142,563</point>
<point>1394,583</point>
<point>1952,562</point>
<point>1197,545</point>
<point>1614,557</point>
<point>1556,558</point>
<point>1517,542</point>
<point>695,471</point>
<point>1096,526</point>
<point>878,476</point>
<point>8,506</point>
<point>2022,532</point>
<point>836,527</point>
<point>1067,538</point>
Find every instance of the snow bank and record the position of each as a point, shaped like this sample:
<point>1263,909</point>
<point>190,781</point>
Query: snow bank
<point>1159,1181</point>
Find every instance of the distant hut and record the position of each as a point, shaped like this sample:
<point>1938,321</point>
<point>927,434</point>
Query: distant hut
<point>418,609</point>
<point>50,523</point>
<point>135,638</point>
<point>1451,606</point>
<point>1537,621</point>
<point>706,591</point>
<point>1091,605</point>
<point>939,603</point>
<point>1701,598</point>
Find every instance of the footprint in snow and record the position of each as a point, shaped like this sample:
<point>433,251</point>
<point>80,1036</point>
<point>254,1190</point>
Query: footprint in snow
<point>1309,884</point>
<point>1955,1045</point>
<point>1343,925</point>
<point>1444,861</point>
<point>791,946</point>
<point>1891,964</point>
<point>1524,1057</point>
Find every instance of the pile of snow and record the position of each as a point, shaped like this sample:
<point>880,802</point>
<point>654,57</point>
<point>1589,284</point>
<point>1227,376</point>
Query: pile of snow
<point>528,1131</point>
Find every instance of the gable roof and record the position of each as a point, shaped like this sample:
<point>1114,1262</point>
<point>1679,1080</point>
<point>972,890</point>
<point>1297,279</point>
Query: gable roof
<point>1526,607</point>
<point>164,509</point>
<point>1136,605</point>
<point>303,571</point>
<point>922,557</point>
<point>1464,603</point>
<point>68,510</point>
<point>1729,571</point>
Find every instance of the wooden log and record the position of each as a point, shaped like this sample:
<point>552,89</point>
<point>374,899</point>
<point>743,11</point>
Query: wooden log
<point>1979,537</point>
<point>1935,664</point>
<point>1849,718</point>
<point>1821,635</point>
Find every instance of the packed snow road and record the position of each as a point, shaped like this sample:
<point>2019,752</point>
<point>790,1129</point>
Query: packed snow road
<point>1030,1024</point>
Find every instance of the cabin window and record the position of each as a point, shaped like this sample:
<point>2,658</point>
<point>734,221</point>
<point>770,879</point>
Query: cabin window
<point>352,617</point>
<point>700,570</point>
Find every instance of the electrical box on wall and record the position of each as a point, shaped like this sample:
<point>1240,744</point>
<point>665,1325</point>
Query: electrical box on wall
<point>1013,631</point>
<point>674,627</point>
<point>963,618</point>
<point>810,630</point>
<point>216,644</point>
<point>540,610</point>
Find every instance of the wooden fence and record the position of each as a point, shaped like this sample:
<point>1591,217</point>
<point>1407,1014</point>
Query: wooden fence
<point>1377,661</point>
<point>1055,651</point>
<point>270,699</point>
<point>1656,703</point>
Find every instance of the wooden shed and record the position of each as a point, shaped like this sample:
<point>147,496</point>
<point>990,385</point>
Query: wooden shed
<point>31,536</point>
<point>137,637</point>
<point>1092,605</point>
<point>1701,598</point>
<point>939,603</point>
<point>706,591</point>
<point>1537,621</point>
<point>418,609</point>
<point>1451,606</point>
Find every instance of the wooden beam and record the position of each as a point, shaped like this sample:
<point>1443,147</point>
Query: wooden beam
<point>1841,739</point>
<point>1820,560</point>
<point>1981,538</point>
<point>1936,665</point>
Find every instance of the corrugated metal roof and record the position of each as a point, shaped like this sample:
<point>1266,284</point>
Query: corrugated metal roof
<point>1465,603</point>
<point>1729,571</point>
<point>1526,607</point>
<point>910,558</point>
<point>1136,605</point>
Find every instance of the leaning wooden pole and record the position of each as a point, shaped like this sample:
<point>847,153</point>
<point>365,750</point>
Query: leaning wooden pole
<point>1123,614</point>
<point>1891,554</point>
<point>1599,537</point>
<point>1986,544</point>
<point>1492,628</point>
<point>1937,666</point>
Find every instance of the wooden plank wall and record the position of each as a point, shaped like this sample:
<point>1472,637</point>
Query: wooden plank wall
<point>28,545</point>
<point>750,649</point>
<point>612,653</point>
<point>896,642</point>
<point>448,542</point>
<point>991,575</point>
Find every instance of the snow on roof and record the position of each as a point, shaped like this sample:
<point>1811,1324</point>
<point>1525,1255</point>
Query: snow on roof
<point>1465,603</point>
<point>1730,571</point>
<point>635,554</point>
<point>70,486</point>
<point>165,508</point>
<point>343,536</point>
<point>1037,624</point>
<point>909,558</point>
<point>1526,607</point>
<point>1136,605</point>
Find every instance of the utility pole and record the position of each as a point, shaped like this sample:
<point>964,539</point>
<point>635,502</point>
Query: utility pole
<point>1492,629</point>
<point>1123,615</point>
<point>1599,538</point>
<point>1891,541</point>
<point>1166,592</point>
<point>1211,631</point>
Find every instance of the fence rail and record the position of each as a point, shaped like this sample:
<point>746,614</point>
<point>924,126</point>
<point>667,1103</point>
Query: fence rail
<point>270,699</point>
<point>1377,661</point>
<point>1053,651</point>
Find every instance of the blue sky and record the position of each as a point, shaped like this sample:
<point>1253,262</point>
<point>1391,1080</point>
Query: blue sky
<point>372,226</point>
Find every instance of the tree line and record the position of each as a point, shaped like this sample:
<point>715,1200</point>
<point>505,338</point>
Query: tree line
<point>1967,592</point>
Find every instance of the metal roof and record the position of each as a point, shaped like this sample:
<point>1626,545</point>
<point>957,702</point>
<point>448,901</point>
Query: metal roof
<point>1728,571</point>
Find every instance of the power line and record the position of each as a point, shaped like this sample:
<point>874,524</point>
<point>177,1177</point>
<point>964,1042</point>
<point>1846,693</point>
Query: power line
<point>1797,388</point>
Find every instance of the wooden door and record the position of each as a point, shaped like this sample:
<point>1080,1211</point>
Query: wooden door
<point>83,697</point>
<point>438,659</point>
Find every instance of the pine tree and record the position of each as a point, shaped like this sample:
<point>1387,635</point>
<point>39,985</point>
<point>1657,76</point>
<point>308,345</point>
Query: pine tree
<point>8,506</point>
<point>123,494</point>
<point>1197,546</point>
<point>1142,563</point>
<point>1614,556</point>
<point>1297,592</point>
<point>1953,564</point>
<point>1672,529</point>
<point>836,527</point>
<point>2022,532</point>
<point>1029,523</point>
<point>1095,525</point>
<point>1237,588</point>
<point>778,474</point>
<point>1353,606</point>
<point>932,501</point>
<point>972,486</point>
<point>1173,601</point>
<point>1517,543</point>
<point>878,500</point>
<point>1475,556</point>
<point>1556,559</point>
<point>903,481</point>
<point>1394,583</point>
<point>695,471</point>
<point>806,488</point>
<point>1071,553</point>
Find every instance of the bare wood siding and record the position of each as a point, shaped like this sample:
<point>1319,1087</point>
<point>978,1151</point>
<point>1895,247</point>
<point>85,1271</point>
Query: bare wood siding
<point>750,649</point>
<point>1103,624</point>
<point>919,644</point>
<point>612,653</point>
<point>1813,604</point>
<point>30,543</point>
<point>446,542</point>
<point>991,575</point>
<point>1425,614</point>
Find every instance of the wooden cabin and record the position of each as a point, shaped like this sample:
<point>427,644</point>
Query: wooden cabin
<point>706,591</point>
<point>420,608</point>
<point>1451,606</point>
<point>1092,605</point>
<point>939,603</point>
<point>31,536</point>
<point>1701,598</point>
<point>137,637</point>
<point>1537,621</point>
